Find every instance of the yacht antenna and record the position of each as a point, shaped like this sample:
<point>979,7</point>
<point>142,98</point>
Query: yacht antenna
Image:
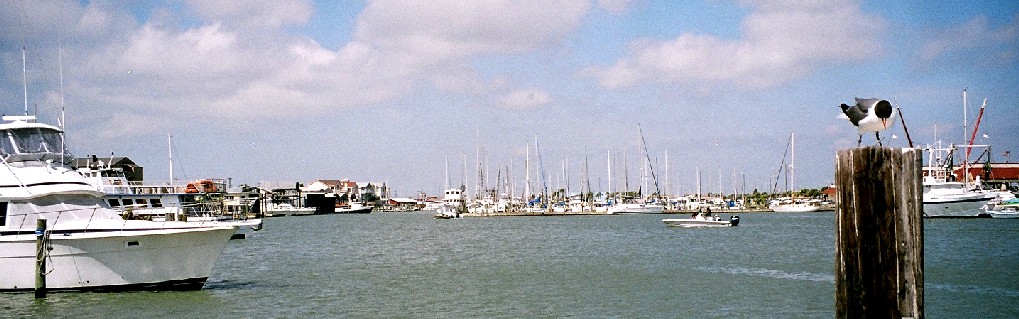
<point>60,63</point>
<point>24,76</point>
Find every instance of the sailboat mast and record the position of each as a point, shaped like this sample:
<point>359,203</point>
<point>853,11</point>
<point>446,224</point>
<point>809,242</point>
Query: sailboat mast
<point>169,146</point>
<point>527,174</point>
<point>792,162</point>
<point>698,184</point>
<point>668,185</point>
<point>650,165</point>
<point>608,166</point>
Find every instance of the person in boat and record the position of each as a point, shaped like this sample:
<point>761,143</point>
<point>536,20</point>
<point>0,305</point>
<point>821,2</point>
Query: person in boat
<point>708,212</point>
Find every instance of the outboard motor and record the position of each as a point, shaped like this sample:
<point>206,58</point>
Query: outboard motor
<point>734,220</point>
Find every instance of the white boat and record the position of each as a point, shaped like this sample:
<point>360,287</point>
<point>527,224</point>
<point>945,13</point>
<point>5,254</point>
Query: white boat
<point>453,205</point>
<point>353,208</point>
<point>702,220</point>
<point>945,197</point>
<point>635,208</point>
<point>795,205</point>
<point>287,209</point>
<point>1004,208</point>
<point>89,246</point>
<point>792,204</point>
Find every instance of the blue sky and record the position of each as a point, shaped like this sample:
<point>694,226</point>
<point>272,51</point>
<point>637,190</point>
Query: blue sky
<point>387,91</point>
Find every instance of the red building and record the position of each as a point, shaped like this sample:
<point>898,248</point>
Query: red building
<point>994,173</point>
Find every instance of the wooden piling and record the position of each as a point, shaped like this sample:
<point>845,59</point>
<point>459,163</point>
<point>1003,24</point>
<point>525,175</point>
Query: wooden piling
<point>40,258</point>
<point>879,233</point>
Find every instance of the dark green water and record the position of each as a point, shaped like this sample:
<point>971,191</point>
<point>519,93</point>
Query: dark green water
<point>408,265</point>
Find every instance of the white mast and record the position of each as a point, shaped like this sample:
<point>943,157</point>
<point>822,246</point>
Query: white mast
<point>527,174</point>
<point>668,185</point>
<point>24,76</point>
<point>698,183</point>
<point>446,186</point>
<point>792,162</point>
<point>965,140</point>
<point>720,183</point>
<point>169,146</point>
<point>965,121</point>
<point>608,166</point>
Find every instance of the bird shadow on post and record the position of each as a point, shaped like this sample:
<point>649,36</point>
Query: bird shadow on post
<point>878,233</point>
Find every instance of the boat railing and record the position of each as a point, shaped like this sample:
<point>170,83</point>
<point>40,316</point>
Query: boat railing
<point>154,188</point>
<point>27,222</point>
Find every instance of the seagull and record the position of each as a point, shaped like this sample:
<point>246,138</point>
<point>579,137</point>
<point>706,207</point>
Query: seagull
<point>870,115</point>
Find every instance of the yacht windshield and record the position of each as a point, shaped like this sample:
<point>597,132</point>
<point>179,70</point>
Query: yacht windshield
<point>32,144</point>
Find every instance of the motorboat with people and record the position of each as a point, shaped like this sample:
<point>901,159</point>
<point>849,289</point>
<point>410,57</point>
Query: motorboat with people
<point>703,219</point>
<point>89,246</point>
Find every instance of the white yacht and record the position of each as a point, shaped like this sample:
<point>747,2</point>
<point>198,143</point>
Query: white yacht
<point>945,197</point>
<point>795,205</point>
<point>635,208</point>
<point>89,246</point>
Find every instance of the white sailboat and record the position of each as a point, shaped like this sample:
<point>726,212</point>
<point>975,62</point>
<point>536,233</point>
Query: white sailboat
<point>794,204</point>
<point>640,205</point>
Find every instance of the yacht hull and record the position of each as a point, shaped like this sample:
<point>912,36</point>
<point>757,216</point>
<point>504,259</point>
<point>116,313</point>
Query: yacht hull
<point>636,209</point>
<point>115,260</point>
<point>969,207</point>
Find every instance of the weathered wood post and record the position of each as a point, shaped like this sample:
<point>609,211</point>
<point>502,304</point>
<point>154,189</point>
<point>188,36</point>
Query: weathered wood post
<point>40,258</point>
<point>878,233</point>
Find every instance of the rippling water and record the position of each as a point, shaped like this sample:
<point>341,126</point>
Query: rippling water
<point>629,266</point>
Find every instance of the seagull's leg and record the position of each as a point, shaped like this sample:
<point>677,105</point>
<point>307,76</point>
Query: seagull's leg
<point>878,136</point>
<point>860,140</point>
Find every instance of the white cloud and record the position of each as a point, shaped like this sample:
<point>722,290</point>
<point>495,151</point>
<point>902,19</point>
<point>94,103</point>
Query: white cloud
<point>238,61</point>
<point>976,36</point>
<point>442,30</point>
<point>526,99</point>
<point>254,14</point>
<point>614,6</point>
<point>780,43</point>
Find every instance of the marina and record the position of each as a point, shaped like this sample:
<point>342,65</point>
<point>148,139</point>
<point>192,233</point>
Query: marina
<point>306,180</point>
<point>407,263</point>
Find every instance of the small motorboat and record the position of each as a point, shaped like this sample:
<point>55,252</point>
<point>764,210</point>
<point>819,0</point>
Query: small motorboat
<point>702,220</point>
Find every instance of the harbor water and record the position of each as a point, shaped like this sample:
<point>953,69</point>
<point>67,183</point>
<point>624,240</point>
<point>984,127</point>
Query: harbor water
<point>409,265</point>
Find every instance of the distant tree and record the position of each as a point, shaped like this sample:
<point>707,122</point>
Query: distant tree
<point>369,198</point>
